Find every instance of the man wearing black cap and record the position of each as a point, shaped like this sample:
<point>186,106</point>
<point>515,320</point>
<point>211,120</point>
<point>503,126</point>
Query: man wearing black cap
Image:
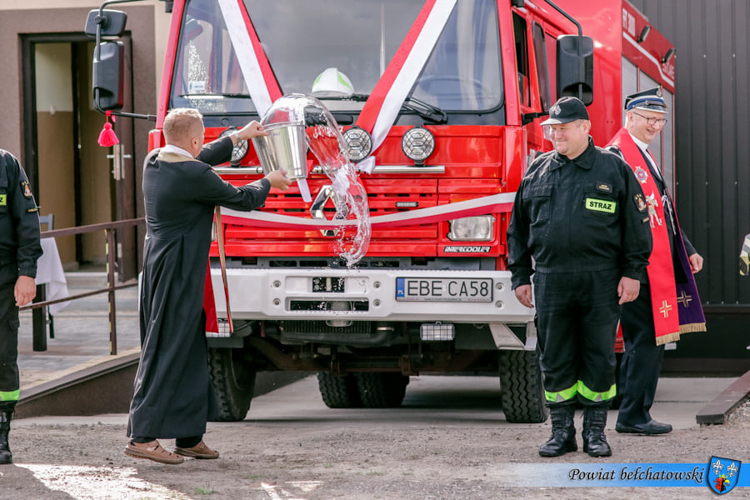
<point>576,215</point>
<point>668,304</point>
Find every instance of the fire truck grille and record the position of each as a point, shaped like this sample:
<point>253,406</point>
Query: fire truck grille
<point>315,327</point>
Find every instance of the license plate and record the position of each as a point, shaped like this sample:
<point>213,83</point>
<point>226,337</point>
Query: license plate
<point>444,289</point>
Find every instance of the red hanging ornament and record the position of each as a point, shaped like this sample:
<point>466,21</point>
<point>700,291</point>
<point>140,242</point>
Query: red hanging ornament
<point>108,137</point>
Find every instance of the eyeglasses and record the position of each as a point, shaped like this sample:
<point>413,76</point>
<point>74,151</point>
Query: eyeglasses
<point>652,121</point>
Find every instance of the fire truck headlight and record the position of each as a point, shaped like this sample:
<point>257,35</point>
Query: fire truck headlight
<point>418,144</point>
<point>472,228</point>
<point>239,150</point>
<point>358,144</point>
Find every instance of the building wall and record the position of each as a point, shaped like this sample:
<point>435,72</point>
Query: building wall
<point>147,25</point>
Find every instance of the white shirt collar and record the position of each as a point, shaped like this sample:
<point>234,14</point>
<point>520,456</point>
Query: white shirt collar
<point>640,143</point>
<point>171,148</point>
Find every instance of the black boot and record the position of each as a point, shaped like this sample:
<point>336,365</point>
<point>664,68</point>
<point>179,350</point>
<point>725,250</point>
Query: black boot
<point>563,437</point>
<point>6,457</point>
<point>594,440</point>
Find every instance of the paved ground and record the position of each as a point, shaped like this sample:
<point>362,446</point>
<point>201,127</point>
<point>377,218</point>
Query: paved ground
<point>297,448</point>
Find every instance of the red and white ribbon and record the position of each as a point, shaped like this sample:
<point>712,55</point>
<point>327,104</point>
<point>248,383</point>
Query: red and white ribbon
<point>497,203</point>
<point>262,85</point>
<point>384,104</point>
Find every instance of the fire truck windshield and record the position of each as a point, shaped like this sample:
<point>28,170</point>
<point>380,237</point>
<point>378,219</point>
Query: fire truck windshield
<point>352,40</point>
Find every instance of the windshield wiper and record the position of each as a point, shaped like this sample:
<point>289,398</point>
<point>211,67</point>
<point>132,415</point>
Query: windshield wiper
<point>426,111</point>
<point>423,109</point>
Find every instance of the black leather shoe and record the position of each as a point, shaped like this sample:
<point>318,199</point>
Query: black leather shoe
<point>649,428</point>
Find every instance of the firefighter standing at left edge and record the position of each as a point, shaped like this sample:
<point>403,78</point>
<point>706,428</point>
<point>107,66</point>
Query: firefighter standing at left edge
<point>577,215</point>
<point>19,250</point>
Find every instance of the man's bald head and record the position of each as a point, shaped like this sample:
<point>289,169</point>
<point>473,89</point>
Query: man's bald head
<point>182,125</point>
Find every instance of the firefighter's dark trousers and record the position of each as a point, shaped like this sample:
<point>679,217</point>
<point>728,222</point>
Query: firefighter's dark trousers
<point>577,315</point>
<point>641,363</point>
<point>8,338</point>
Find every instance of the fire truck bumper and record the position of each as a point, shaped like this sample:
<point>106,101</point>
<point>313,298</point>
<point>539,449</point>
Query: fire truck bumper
<point>370,294</point>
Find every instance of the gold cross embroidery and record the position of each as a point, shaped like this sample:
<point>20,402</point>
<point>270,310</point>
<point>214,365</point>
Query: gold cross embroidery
<point>684,299</point>
<point>665,308</point>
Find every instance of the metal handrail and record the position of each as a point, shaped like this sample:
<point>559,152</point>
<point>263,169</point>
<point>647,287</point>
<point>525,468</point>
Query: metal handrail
<point>110,246</point>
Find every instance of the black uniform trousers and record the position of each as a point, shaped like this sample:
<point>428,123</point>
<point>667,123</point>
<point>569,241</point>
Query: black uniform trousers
<point>577,315</point>
<point>8,337</point>
<point>641,363</point>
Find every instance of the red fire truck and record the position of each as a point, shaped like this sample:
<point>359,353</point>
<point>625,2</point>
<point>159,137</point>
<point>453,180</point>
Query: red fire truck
<point>442,100</point>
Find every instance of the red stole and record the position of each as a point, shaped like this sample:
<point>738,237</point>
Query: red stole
<point>660,266</point>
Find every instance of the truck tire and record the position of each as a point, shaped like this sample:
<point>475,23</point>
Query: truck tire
<point>521,385</point>
<point>339,391</point>
<point>233,382</point>
<point>381,390</point>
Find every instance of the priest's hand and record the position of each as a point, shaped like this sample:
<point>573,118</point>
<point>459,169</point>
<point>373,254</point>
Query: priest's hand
<point>278,180</point>
<point>696,263</point>
<point>523,294</point>
<point>252,129</point>
<point>628,289</point>
<point>25,290</point>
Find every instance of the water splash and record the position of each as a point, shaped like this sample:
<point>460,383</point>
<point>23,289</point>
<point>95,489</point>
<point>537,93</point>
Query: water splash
<point>327,144</point>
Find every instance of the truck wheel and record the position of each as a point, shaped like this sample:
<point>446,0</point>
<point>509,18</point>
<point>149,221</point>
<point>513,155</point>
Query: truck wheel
<point>339,391</point>
<point>521,385</point>
<point>381,390</point>
<point>233,382</point>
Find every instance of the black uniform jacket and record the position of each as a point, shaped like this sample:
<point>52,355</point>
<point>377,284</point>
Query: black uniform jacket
<point>19,219</point>
<point>172,396</point>
<point>579,215</point>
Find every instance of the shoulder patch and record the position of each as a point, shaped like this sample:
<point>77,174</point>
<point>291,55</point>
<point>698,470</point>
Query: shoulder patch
<point>640,202</point>
<point>26,189</point>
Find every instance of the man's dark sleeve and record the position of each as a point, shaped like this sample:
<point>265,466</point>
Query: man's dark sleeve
<point>216,191</point>
<point>216,152</point>
<point>519,254</point>
<point>636,235</point>
<point>25,216</point>
<point>689,248</point>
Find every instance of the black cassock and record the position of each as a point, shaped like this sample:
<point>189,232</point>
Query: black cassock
<point>172,394</point>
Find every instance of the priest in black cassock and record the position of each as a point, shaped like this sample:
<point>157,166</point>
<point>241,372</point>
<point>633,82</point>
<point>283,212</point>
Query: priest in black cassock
<point>172,393</point>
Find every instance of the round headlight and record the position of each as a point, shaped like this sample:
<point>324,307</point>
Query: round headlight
<point>239,150</point>
<point>358,144</point>
<point>418,144</point>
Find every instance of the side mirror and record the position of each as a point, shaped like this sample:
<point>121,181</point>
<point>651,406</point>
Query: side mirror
<point>575,67</point>
<point>107,81</point>
<point>112,23</point>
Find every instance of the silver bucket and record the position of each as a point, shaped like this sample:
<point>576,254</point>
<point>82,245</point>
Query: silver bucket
<point>284,148</point>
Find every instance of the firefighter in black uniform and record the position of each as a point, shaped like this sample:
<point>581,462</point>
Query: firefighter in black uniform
<point>577,215</point>
<point>19,250</point>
